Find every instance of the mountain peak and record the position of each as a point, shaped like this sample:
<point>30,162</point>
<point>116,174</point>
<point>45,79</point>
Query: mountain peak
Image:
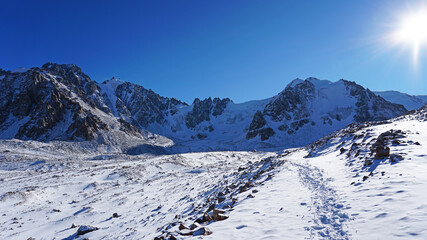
<point>315,81</point>
<point>20,70</point>
<point>60,67</point>
<point>294,82</point>
<point>113,82</point>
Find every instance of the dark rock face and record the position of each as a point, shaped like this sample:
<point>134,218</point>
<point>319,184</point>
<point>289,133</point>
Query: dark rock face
<point>294,108</point>
<point>219,106</point>
<point>370,107</point>
<point>43,98</point>
<point>144,106</point>
<point>60,102</point>
<point>292,103</point>
<point>202,110</point>
<point>85,229</point>
<point>85,127</point>
<point>257,127</point>
<point>295,100</point>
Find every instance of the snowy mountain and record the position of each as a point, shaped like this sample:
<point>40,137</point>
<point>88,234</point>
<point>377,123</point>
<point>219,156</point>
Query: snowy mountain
<point>307,110</point>
<point>408,101</point>
<point>365,181</point>
<point>302,113</point>
<point>61,103</point>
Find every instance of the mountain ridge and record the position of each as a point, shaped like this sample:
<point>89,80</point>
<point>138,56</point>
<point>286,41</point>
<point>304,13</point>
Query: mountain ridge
<point>40,102</point>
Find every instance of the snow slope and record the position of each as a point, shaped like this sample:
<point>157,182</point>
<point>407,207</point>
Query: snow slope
<point>334,188</point>
<point>410,102</point>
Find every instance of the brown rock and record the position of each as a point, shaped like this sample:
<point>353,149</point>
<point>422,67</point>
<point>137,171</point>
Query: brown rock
<point>203,231</point>
<point>382,152</point>
<point>182,227</point>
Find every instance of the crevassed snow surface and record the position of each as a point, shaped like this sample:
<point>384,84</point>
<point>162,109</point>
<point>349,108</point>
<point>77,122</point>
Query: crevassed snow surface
<point>325,193</point>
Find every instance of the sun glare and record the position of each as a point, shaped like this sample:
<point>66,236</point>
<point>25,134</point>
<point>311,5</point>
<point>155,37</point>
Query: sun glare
<point>412,31</point>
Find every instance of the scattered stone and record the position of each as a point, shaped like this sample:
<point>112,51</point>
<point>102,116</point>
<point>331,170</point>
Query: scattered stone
<point>417,143</point>
<point>85,229</point>
<point>342,150</point>
<point>221,199</point>
<point>203,231</point>
<point>211,207</point>
<point>56,210</point>
<point>207,218</point>
<point>218,215</point>
<point>367,162</point>
<point>254,191</point>
<point>195,225</point>
<point>382,152</point>
<point>365,178</point>
<point>250,196</point>
<point>73,225</point>
<point>186,232</point>
<point>115,215</point>
<point>171,237</point>
<point>182,227</point>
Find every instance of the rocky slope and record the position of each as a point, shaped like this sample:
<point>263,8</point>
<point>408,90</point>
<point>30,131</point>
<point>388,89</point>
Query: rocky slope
<point>339,187</point>
<point>60,102</point>
<point>307,110</point>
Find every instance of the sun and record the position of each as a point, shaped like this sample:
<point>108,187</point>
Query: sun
<point>412,30</point>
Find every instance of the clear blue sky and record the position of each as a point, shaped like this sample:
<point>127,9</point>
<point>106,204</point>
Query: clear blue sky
<point>244,50</point>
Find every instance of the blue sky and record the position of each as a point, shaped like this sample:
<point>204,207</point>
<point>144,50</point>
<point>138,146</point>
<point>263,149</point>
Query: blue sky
<point>244,50</point>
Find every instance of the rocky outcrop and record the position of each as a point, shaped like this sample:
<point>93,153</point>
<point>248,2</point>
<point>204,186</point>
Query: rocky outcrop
<point>143,106</point>
<point>257,127</point>
<point>370,107</point>
<point>85,229</point>
<point>204,110</point>
<point>315,105</point>
<point>54,102</point>
<point>60,102</point>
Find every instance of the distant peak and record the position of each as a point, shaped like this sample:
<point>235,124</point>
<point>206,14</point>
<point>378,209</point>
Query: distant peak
<point>113,82</point>
<point>19,70</point>
<point>54,67</point>
<point>295,82</point>
<point>315,81</point>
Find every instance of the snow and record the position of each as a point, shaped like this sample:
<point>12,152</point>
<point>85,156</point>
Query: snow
<point>316,82</point>
<point>109,88</point>
<point>408,101</point>
<point>313,192</point>
<point>423,97</point>
<point>323,196</point>
<point>19,70</point>
<point>13,125</point>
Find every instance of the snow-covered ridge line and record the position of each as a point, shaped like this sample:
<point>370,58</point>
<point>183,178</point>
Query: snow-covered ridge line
<point>36,103</point>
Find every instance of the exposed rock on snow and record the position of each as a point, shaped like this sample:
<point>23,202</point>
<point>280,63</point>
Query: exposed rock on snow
<point>85,229</point>
<point>40,103</point>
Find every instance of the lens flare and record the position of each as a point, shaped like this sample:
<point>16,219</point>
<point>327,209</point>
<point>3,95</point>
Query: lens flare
<point>412,31</point>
